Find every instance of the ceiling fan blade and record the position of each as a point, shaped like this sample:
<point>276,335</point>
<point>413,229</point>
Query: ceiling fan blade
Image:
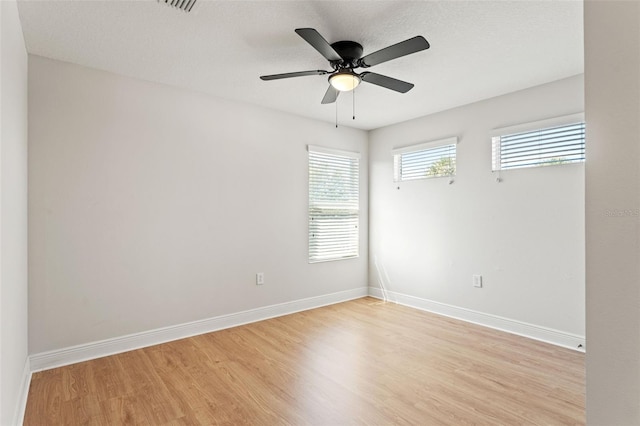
<point>318,42</point>
<point>407,47</point>
<point>331,95</point>
<point>292,74</point>
<point>386,82</point>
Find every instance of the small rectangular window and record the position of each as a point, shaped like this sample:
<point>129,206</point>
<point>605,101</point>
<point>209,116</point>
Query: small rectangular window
<point>427,160</point>
<point>334,206</point>
<point>540,145</point>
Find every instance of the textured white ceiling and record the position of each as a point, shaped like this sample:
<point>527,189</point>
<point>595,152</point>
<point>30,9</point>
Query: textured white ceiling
<point>478,49</point>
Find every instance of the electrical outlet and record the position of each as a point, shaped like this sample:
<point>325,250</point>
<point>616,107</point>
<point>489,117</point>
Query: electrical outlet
<point>260,278</point>
<point>477,281</point>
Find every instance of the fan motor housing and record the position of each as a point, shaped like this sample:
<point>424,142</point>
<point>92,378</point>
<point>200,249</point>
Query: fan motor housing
<point>350,51</point>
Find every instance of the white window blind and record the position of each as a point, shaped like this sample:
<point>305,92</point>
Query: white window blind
<point>544,146</point>
<point>431,159</point>
<point>334,214</point>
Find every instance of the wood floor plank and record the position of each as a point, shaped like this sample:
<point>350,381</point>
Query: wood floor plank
<point>354,363</point>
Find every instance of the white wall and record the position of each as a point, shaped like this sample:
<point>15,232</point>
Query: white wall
<point>525,236</point>
<point>13,215</point>
<point>612,83</point>
<point>152,206</point>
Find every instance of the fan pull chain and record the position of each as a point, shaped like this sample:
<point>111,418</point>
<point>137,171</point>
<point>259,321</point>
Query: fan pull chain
<point>354,104</point>
<point>336,113</point>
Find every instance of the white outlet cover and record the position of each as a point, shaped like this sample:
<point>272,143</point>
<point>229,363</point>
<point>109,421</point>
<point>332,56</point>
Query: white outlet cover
<point>477,281</point>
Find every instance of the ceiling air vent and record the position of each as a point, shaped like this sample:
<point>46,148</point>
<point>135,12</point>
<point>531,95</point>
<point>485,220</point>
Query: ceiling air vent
<point>185,5</point>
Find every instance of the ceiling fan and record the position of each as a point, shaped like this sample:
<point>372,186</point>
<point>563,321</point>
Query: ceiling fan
<point>346,56</point>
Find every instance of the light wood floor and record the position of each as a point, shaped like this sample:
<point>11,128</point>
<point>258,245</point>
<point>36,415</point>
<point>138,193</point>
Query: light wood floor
<point>360,362</point>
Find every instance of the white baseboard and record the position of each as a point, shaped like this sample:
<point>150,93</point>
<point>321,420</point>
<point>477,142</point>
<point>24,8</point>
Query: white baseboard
<point>21,406</point>
<point>548,335</point>
<point>85,352</point>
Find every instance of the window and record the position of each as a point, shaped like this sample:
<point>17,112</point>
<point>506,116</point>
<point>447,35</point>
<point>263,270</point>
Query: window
<point>427,160</point>
<point>551,142</point>
<point>334,180</point>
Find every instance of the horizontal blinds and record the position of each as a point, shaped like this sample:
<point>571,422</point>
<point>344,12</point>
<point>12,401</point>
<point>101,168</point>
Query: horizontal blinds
<point>425,145</point>
<point>333,205</point>
<point>432,162</point>
<point>554,145</point>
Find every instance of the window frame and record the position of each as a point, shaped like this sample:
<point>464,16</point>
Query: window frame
<point>531,127</point>
<point>348,210</point>
<point>420,147</point>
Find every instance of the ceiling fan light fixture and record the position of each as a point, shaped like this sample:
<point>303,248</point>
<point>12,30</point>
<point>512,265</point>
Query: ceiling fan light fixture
<point>344,81</point>
<point>345,56</point>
